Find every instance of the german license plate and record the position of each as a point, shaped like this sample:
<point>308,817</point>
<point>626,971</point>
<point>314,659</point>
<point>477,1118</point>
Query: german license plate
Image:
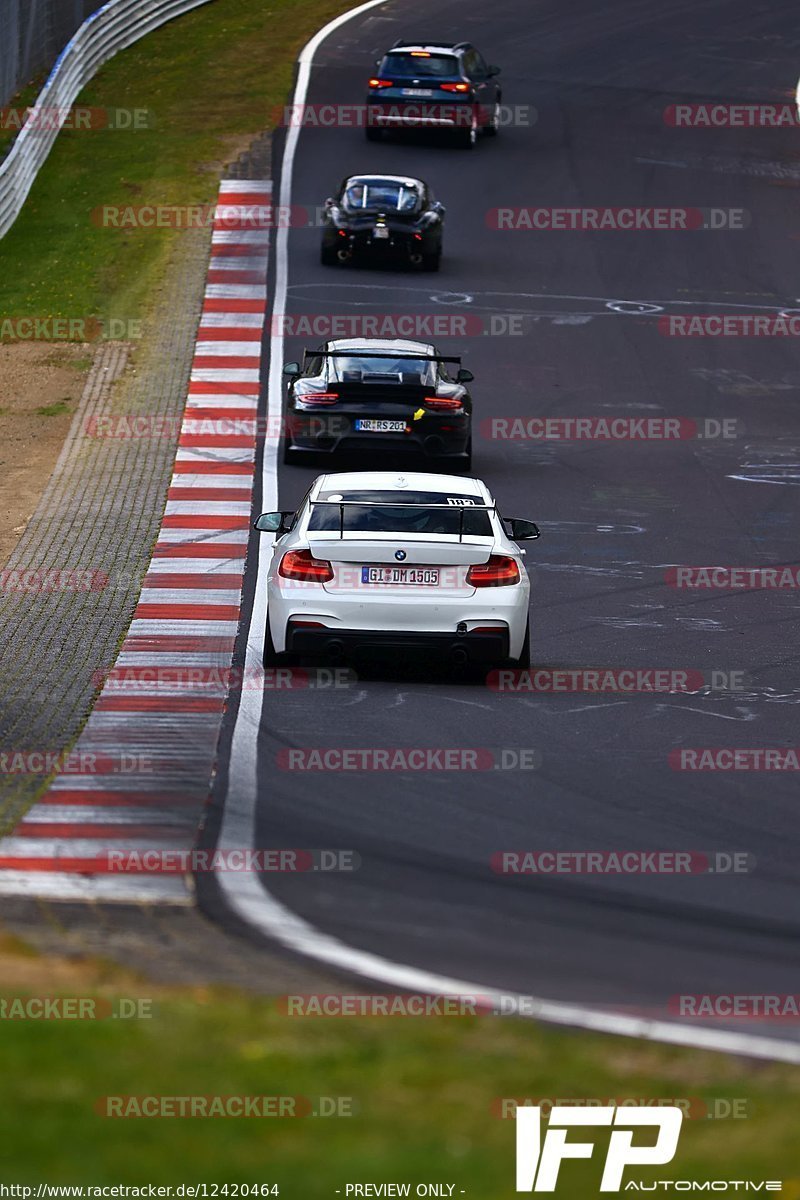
<point>403,576</point>
<point>380,231</point>
<point>370,425</point>
<point>416,91</point>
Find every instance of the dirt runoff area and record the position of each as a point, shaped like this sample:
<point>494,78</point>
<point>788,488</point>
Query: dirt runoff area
<point>40,386</point>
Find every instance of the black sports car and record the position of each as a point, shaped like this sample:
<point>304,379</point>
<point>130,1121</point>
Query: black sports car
<point>445,86</point>
<point>373,395</point>
<point>383,217</point>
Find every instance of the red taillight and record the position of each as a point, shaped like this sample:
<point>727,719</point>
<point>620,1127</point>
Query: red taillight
<point>380,83</point>
<point>454,87</point>
<point>443,403</point>
<point>318,397</point>
<point>499,571</point>
<point>301,564</point>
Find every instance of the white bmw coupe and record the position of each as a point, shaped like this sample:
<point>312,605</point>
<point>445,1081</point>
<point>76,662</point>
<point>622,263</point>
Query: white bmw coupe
<point>399,562</point>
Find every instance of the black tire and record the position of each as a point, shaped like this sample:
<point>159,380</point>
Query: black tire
<point>292,458</point>
<point>271,658</point>
<point>372,133</point>
<point>466,138</point>
<point>327,256</point>
<point>493,128</point>
<point>430,262</point>
<point>524,660</point>
<point>461,465</point>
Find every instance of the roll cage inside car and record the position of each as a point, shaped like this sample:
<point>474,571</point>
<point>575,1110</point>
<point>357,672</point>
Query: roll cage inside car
<point>365,195</point>
<point>314,356</point>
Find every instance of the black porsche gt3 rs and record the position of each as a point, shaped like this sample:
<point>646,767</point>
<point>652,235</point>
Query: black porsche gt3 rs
<point>383,218</point>
<point>376,396</point>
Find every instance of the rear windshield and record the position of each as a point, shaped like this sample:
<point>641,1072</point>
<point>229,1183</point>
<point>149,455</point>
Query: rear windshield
<point>381,513</point>
<point>382,370</point>
<point>371,195</point>
<point>415,66</point>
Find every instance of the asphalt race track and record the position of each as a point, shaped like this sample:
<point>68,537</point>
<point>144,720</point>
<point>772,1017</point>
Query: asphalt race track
<point>614,517</point>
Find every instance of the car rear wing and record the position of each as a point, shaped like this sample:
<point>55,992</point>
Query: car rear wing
<point>343,504</point>
<point>446,358</point>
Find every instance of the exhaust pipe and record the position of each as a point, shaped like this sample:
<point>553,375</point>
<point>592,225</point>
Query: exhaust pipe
<point>459,656</point>
<point>433,445</point>
<point>335,649</point>
<point>415,259</point>
<point>344,255</point>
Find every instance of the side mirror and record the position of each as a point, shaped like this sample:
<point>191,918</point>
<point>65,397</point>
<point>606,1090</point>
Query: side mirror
<point>519,530</point>
<point>439,207</point>
<point>273,522</point>
<point>329,203</point>
<point>464,376</point>
<point>292,369</point>
<point>492,71</point>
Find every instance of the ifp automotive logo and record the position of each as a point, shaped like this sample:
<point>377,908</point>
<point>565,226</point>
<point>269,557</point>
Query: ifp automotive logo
<point>538,1162</point>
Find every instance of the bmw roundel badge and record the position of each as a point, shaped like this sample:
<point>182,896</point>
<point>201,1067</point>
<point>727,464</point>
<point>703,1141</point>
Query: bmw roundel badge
<point>400,555</point>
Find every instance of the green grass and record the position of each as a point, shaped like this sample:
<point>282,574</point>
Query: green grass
<point>422,1089</point>
<point>54,410</point>
<point>210,81</point>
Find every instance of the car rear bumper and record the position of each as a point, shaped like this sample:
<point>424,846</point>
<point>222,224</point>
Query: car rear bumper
<point>409,121</point>
<point>397,617</point>
<point>489,648</point>
<point>332,433</point>
<point>432,446</point>
<point>409,113</point>
<point>400,242</point>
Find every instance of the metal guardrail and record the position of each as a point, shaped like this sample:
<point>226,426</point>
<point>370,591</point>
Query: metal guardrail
<point>118,24</point>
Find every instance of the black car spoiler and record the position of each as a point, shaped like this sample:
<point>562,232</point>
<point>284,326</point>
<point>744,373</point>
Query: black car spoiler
<point>410,354</point>
<point>342,504</point>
